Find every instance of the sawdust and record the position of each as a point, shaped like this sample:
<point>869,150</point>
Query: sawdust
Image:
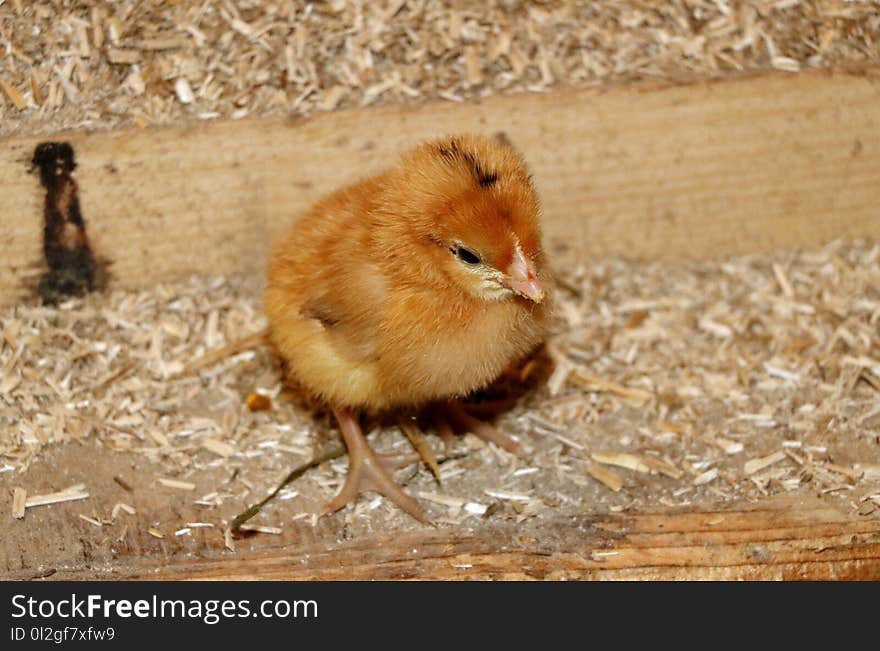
<point>92,65</point>
<point>674,385</point>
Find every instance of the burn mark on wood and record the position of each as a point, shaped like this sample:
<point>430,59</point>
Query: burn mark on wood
<point>452,153</point>
<point>68,254</point>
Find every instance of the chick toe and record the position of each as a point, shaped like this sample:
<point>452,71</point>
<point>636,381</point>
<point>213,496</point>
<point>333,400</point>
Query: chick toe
<point>420,444</point>
<point>367,472</point>
<point>468,423</point>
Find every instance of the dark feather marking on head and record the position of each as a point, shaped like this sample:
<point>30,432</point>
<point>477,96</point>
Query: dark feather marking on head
<point>484,178</point>
<point>452,153</point>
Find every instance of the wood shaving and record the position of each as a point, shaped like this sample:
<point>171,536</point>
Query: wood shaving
<point>607,477</point>
<point>663,467</point>
<point>754,465</point>
<point>706,477</point>
<point>710,424</point>
<point>55,498</point>
<point>18,101</point>
<point>622,460</point>
<point>90,520</point>
<point>175,483</point>
<point>121,506</point>
<point>101,65</point>
<point>19,502</point>
<point>219,447</point>
<point>507,495</point>
<point>260,528</point>
<point>475,508</point>
<point>445,500</point>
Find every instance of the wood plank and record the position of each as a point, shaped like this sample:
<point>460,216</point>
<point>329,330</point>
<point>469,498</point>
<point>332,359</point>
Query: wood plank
<point>790,536</point>
<point>806,543</point>
<point>646,171</point>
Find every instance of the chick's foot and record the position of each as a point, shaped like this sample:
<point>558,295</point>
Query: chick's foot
<point>367,472</point>
<point>452,413</point>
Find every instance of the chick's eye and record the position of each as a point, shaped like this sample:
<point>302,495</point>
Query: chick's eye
<point>465,255</point>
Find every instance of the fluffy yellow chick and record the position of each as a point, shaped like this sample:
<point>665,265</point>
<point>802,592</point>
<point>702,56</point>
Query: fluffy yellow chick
<point>412,287</point>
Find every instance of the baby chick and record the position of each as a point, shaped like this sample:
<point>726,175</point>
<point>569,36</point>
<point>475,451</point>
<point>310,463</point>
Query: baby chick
<point>412,287</point>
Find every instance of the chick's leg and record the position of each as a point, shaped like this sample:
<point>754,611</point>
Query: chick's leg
<point>464,422</point>
<point>366,472</point>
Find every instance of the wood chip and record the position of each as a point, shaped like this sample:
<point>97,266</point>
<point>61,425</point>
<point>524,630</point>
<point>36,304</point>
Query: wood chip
<point>607,477</point>
<point>17,99</point>
<point>219,447</point>
<point>473,66</point>
<point>176,483</point>
<point>784,285</point>
<point>594,383</point>
<point>658,465</point>
<point>507,495</point>
<point>36,92</point>
<point>119,56</point>
<point>261,528</point>
<point>156,44</point>
<point>19,502</point>
<point>755,465</point>
<point>729,447</point>
<point>69,495</point>
<point>706,477</point>
<point>121,506</point>
<point>445,500</point>
<point>184,91</point>
<point>90,520</point>
<point>622,460</point>
<point>870,471</point>
<point>97,370</point>
<point>475,508</point>
<point>853,473</point>
<point>332,98</point>
<point>785,63</point>
<point>273,56</point>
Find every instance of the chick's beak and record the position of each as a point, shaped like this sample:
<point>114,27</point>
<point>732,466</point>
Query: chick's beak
<point>522,279</point>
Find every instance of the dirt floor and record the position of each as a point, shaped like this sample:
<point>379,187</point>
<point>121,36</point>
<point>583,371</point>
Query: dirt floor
<point>716,383</point>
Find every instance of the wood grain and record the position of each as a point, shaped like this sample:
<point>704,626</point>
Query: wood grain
<point>806,543</point>
<point>647,171</point>
<point>791,536</point>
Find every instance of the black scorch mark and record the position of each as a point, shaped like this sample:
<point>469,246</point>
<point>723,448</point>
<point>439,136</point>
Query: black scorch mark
<point>72,269</point>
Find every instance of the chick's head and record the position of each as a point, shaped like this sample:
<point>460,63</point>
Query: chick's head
<point>465,211</point>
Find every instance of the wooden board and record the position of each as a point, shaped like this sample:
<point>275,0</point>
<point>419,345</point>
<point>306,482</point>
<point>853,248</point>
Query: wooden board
<point>792,536</point>
<point>647,171</point>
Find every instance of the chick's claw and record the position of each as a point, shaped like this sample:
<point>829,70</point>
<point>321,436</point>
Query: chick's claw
<point>444,429</point>
<point>367,472</point>
<point>464,422</point>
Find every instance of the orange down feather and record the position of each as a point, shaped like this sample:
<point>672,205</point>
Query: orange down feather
<point>419,284</point>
